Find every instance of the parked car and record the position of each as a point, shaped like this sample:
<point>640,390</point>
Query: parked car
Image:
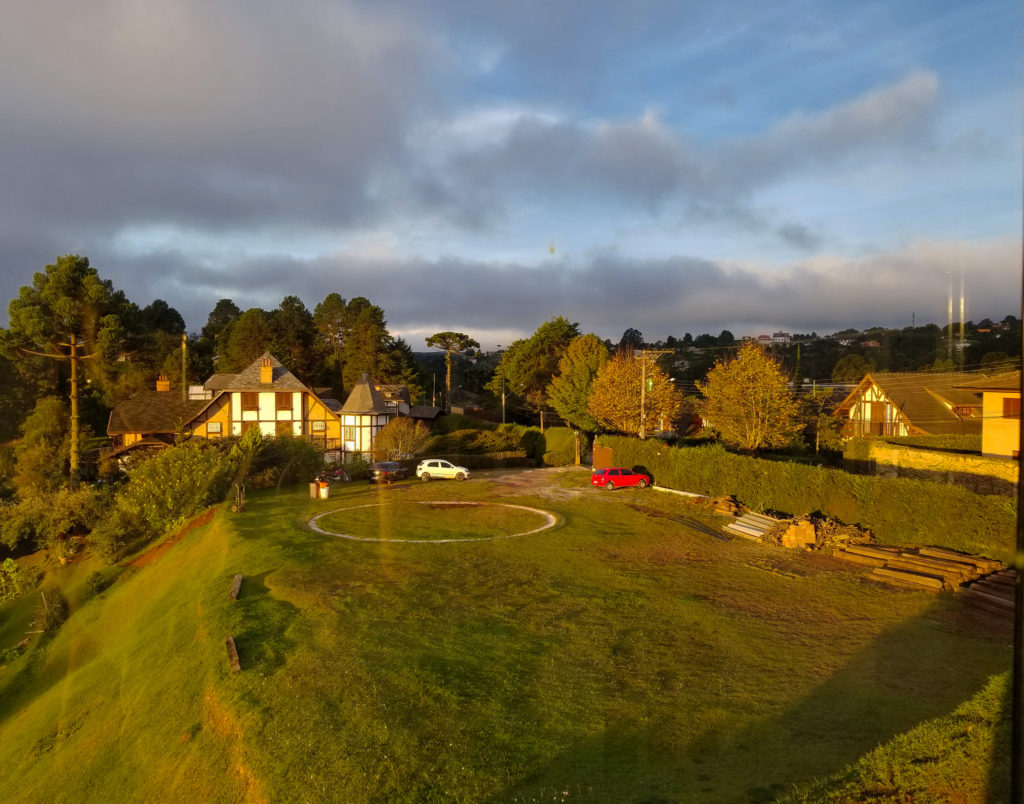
<point>386,472</point>
<point>617,476</point>
<point>437,467</point>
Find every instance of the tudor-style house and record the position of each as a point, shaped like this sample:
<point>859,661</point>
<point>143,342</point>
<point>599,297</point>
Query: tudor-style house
<point>901,404</point>
<point>265,395</point>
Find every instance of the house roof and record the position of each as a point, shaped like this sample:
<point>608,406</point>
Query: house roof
<point>365,399</point>
<point>926,401</point>
<point>248,379</point>
<point>424,412</point>
<point>1010,381</point>
<point>153,412</point>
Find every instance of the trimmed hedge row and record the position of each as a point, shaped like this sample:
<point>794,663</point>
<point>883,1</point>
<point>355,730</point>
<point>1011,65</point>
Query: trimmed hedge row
<point>898,511</point>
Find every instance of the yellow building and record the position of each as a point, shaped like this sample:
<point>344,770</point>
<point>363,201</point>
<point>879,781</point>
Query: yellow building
<point>1000,422</point>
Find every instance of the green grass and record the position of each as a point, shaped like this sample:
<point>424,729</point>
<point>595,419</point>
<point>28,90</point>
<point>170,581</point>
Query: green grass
<point>618,657</point>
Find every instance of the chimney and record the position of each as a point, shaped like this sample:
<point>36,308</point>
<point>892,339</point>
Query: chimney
<point>266,371</point>
<point>162,383</point>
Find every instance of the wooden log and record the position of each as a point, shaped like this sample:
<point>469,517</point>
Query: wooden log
<point>1007,579</point>
<point>236,665</point>
<point>987,564</point>
<point>236,588</point>
<point>978,604</point>
<point>993,589</point>
<point>761,519</point>
<point>951,573</point>
<point>857,558</point>
<point>906,576</point>
<point>872,550</point>
<point>994,600</point>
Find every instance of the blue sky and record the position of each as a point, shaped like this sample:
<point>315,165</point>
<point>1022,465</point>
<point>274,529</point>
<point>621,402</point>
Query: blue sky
<point>673,167</point>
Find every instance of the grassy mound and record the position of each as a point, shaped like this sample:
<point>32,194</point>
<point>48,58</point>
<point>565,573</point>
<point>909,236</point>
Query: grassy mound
<point>622,656</point>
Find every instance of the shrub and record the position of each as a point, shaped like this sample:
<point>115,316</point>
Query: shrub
<point>284,460</point>
<point>560,446</point>
<point>52,611</point>
<point>121,529</point>
<point>896,510</point>
<point>49,518</point>
<point>13,580</point>
<point>95,582</point>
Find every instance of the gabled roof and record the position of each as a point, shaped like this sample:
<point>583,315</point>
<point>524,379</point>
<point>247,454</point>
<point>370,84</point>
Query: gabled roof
<point>1010,381</point>
<point>248,379</point>
<point>365,399</point>
<point>153,412</point>
<point>925,401</point>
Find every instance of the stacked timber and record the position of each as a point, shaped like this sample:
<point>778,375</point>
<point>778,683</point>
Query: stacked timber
<point>752,526</point>
<point>723,506</point>
<point>993,594</point>
<point>927,568</point>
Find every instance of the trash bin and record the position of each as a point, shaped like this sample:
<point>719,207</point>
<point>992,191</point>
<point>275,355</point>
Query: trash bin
<point>325,491</point>
<point>314,490</point>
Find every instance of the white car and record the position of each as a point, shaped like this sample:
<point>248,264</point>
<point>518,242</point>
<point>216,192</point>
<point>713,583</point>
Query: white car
<point>437,467</point>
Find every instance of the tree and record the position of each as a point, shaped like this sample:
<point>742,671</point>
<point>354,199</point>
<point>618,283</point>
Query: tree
<point>401,438</point>
<point>748,401</point>
<point>631,339</point>
<point>528,366</point>
<point>821,425</point>
<point>451,343</point>
<point>60,320</point>
<point>42,454</point>
<point>247,338</point>
<point>293,336</point>
<point>365,341</point>
<point>726,338</point>
<point>570,390</point>
<point>630,392</point>
<point>223,313</point>
<point>851,369</point>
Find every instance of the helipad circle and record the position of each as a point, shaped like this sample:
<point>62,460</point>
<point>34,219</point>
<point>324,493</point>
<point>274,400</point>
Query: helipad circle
<point>549,522</point>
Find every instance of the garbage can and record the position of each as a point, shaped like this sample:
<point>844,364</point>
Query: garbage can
<point>325,490</point>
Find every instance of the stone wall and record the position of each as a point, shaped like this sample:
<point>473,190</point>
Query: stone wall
<point>982,475</point>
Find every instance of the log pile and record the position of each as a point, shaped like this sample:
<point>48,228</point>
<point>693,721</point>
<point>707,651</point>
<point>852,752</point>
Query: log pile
<point>993,594</point>
<point>723,506</point>
<point>924,568</point>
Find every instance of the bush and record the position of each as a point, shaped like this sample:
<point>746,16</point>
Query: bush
<point>120,530</point>
<point>14,582</point>
<point>560,446</point>
<point>95,582</point>
<point>49,518</point>
<point>898,511</point>
<point>284,460</point>
<point>52,611</point>
<point>452,422</point>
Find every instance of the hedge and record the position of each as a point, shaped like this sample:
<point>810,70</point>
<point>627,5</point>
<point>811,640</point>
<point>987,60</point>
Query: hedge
<point>897,511</point>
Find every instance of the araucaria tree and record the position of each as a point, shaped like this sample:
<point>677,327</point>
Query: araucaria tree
<point>631,394</point>
<point>451,343</point>
<point>748,401</point>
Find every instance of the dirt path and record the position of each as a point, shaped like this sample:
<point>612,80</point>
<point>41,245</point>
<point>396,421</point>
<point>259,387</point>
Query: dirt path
<point>537,481</point>
<point>155,552</point>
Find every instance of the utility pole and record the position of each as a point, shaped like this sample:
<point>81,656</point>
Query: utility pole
<point>644,354</point>
<point>184,379</point>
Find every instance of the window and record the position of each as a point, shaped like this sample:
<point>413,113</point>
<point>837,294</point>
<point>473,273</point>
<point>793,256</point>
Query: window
<point>250,400</point>
<point>350,433</point>
<point>283,429</point>
<point>319,426</point>
<point>1011,407</point>
<point>284,401</point>
<point>213,428</point>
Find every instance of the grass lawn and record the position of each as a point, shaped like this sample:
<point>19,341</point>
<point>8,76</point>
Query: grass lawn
<point>618,656</point>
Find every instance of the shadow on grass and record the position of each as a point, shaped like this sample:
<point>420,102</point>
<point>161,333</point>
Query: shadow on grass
<point>907,675</point>
<point>264,620</point>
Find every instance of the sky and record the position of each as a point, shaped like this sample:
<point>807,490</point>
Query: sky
<point>483,167</point>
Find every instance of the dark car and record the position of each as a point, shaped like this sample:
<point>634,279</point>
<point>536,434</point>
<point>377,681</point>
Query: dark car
<point>386,472</point>
<point>617,476</point>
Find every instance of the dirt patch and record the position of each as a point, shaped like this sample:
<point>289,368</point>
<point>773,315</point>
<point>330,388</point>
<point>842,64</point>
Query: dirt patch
<point>156,552</point>
<point>538,481</point>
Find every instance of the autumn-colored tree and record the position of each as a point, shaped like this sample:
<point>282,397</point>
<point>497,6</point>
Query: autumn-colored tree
<point>570,389</point>
<point>451,343</point>
<point>631,394</point>
<point>401,438</point>
<point>748,401</point>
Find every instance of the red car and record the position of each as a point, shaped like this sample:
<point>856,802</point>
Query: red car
<point>616,476</point>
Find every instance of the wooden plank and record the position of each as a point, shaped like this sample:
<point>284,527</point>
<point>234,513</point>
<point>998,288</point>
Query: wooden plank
<point>857,558</point>
<point>870,550</point>
<point>236,588</point>
<point>989,564</point>
<point>909,577</point>
<point>236,665</point>
<point>989,608</point>
<point>994,600</point>
<point>760,519</point>
<point>933,568</point>
<point>745,531</point>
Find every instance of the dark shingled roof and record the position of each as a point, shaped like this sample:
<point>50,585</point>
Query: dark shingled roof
<point>365,399</point>
<point>1010,381</point>
<point>424,412</point>
<point>249,378</point>
<point>153,412</point>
